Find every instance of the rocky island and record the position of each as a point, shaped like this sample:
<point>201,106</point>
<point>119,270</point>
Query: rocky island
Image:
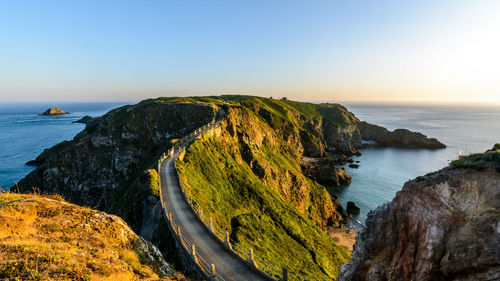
<point>441,226</point>
<point>250,175</point>
<point>52,111</point>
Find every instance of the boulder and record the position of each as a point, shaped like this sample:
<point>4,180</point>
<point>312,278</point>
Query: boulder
<point>352,209</point>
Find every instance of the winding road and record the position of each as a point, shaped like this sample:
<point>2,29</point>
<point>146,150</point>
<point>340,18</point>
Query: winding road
<point>227,264</point>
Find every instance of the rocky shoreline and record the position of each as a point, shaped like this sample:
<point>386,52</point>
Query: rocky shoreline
<point>441,226</point>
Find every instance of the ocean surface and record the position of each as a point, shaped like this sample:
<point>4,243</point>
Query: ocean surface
<point>383,171</point>
<point>24,134</point>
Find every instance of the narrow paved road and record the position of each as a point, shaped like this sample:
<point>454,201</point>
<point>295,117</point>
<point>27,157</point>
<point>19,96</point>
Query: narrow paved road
<point>226,264</point>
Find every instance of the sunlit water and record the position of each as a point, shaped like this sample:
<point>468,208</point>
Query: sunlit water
<point>24,134</point>
<point>383,171</point>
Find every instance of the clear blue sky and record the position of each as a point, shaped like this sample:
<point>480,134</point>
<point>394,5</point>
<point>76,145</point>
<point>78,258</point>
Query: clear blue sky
<point>306,50</point>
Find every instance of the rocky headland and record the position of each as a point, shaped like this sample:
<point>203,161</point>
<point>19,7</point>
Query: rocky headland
<point>398,138</point>
<point>441,226</point>
<point>84,120</point>
<point>258,151</point>
<point>52,111</point>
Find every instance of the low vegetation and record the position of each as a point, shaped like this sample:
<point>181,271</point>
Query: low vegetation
<point>46,238</point>
<point>479,161</point>
<point>249,181</point>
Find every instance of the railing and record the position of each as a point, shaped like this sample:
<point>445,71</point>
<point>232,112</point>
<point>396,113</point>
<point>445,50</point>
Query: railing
<point>246,254</point>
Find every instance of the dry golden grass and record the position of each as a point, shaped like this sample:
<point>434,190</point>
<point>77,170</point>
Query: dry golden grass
<point>45,238</point>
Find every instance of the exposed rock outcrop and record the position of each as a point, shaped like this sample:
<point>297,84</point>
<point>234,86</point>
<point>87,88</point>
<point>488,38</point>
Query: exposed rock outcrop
<point>326,172</point>
<point>85,119</point>
<point>352,209</point>
<point>443,226</point>
<point>53,111</point>
<point>397,138</point>
<point>106,166</point>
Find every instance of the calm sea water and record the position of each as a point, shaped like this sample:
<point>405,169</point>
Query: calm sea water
<point>24,134</point>
<point>383,171</point>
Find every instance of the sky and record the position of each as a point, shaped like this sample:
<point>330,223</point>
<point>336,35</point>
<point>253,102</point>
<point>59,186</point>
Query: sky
<point>356,51</point>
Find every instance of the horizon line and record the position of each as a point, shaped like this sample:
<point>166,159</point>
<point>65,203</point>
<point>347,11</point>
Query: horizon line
<point>394,102</point>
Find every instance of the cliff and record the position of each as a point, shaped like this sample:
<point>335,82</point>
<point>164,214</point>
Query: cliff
<point>246,175</point>
<point>44,238</point>
<point>442,226</point>
<point>109,164</point>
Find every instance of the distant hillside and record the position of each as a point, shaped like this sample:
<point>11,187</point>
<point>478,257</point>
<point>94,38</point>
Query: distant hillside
<point>45,238</point>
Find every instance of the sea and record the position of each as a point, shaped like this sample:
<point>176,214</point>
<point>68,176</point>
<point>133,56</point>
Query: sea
<point>24,134</point>
<point>382,171</point>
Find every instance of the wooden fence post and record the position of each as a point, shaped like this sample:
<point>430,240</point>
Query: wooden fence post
<point>251,258</point>
<point>193,252</point>
<point>285,274</point>
<point>213,274</point>
<point>228,242</point>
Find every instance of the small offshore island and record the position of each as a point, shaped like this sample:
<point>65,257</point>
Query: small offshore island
<point>260,175</point>
<point>53,111</point>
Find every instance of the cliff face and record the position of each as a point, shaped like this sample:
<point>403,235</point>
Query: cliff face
<point>107,165</point>
<point>246,175</point>
<point>443,226</point>
<point>94,167</point>
<point>42,238</point>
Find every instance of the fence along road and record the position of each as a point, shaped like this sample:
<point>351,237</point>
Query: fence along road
<point>227,265</point>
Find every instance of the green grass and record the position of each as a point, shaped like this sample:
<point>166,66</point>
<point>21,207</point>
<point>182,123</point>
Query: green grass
<point>478,160</point>
<point>217,173</point>
<point>154,183</point>
<point>333,112</point>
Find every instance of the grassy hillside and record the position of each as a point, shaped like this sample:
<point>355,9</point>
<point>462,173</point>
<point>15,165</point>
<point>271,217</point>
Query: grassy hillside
<point>108,166</point>
<point>46,238</point>
<point>247,176</point>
